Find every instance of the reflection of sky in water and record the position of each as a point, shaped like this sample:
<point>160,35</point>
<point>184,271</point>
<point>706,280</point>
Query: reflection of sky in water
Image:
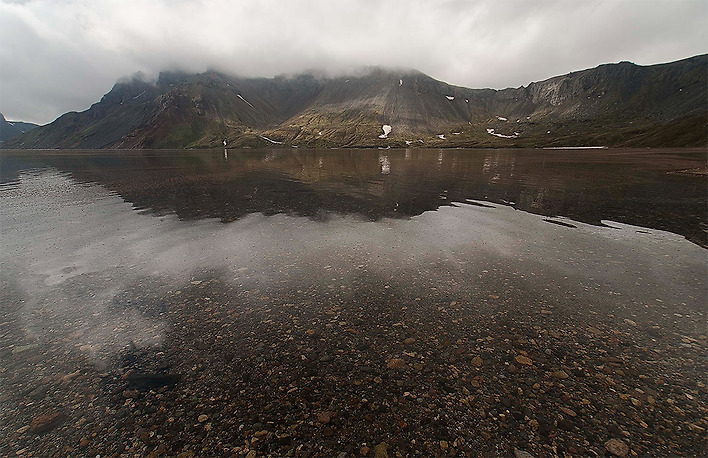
<point>70,251</point>
<point>638,187</point>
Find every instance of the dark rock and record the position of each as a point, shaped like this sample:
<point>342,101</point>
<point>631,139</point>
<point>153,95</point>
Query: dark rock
<point>47,422</point>
<point>39,392</point>
<point>152,381</point>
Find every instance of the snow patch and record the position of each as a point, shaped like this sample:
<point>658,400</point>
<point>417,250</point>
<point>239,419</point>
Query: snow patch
<point>575,147</point>
<point>11,123</point>
<point>467,100</point>
<point>386,130</point>
<point>409,142</point>
<point>139,95</point>
<point>449,97</point>
<point>400,82</point>
<point>491,132</point>
<point>501,118</point>
<point>268,140</point>
<point>442,137</point>
<point>456,133</point>
<point>249,103</point>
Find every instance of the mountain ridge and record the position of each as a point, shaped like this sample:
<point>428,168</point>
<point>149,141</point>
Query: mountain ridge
<point>620,104</point>
<point>11,129</point>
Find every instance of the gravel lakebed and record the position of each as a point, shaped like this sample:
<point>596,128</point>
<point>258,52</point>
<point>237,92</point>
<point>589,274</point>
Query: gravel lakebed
<point>351,371</point>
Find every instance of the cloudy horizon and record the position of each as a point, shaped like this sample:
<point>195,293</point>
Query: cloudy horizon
<point>63,56</point>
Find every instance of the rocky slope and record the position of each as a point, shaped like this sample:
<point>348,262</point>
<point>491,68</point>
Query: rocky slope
<point>612,105</point>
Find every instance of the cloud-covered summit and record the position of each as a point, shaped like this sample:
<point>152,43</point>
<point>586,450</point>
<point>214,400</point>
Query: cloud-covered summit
<point>60,56</point>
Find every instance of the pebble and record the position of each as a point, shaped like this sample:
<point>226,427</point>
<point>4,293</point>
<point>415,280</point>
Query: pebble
<point>525,360</point>
<point>617,447</point>
<point>522,454</point>
<point>559,375</point>
<point>324,417</point>
<point>363,451</point>
<point>409,341</point>
<point>69,377</point>
<point>477,361</point>
<point>202,418</point>
<point>381,450</point>
<point>39,392</point>
<point>396,363</point>
<point>47,422</point>
<point>23,348</point>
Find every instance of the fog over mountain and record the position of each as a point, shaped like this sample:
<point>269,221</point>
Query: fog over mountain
<point>62,56</point>
<point>611,105</point>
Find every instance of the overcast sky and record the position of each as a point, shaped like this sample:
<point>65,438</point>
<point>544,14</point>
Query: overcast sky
<point>63,55</point>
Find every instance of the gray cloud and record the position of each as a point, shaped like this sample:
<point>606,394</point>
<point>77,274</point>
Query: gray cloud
<point>57,56</point>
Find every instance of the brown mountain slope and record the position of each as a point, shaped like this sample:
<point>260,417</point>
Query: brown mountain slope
<point>612,105</point>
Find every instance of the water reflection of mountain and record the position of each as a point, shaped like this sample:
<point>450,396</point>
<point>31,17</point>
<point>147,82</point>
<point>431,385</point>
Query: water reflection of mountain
<point>626,186</point>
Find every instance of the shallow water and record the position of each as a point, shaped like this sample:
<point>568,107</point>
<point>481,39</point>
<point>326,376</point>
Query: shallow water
<point>318,302</point>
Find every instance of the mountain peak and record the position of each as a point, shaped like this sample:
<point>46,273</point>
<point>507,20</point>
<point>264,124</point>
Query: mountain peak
<point>11,129</point>
<point>620,104</point>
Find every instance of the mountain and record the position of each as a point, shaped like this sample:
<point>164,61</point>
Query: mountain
<point>619,104</point>
<point>10,129</point>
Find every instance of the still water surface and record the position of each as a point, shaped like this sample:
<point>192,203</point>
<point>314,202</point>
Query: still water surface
<point>319,302</point>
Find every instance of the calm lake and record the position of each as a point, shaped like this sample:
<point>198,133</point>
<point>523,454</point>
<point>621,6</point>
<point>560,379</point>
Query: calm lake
<point>342,303</point>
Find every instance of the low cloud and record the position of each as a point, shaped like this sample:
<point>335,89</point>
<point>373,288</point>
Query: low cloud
<point>58,56</point>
